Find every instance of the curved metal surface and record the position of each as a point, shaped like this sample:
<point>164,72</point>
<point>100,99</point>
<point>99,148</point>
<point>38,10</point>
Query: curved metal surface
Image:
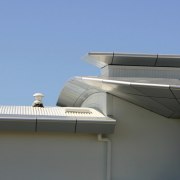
<point>74,93</point>
<point>161,96</point>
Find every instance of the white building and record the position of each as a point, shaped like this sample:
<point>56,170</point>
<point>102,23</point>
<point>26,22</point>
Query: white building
<point>122,125</point>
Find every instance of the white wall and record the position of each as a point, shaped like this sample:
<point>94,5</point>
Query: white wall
<point>42,156</point>
<point>145,146</point>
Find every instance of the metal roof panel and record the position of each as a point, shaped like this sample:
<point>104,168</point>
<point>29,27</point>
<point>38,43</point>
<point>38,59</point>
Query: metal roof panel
<point>101,59</point>
<point>146,93</point>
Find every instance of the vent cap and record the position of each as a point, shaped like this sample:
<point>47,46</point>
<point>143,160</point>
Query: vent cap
<point>38,100</point>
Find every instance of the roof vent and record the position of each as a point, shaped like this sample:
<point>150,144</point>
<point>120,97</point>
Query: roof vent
<point>38,100</point>
<point>80,111</point>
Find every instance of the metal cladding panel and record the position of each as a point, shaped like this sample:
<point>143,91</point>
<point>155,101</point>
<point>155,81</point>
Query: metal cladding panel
<point>178,100</point>
<point>13,122</point>
<point>99,59</point>
<point>145,102</point>
<point>56,124</point>
<point>176,91</point>
<point>93,81</point>
<point>71,92</point>
<point>171,104</point>
<point>84,96</point>
<point>119,87</point>
<point>131,87</point>
<point>143,94</point>
<point>95,125</point>
<point>143,72</point>
<point>149,104</point>
<point>134,59</point>
<point>176,115</point>
<point>168,61</point>
<point>153,91</point>
<point>111,85</point>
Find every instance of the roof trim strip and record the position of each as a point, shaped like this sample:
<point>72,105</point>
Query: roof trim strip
<point>102,59</point>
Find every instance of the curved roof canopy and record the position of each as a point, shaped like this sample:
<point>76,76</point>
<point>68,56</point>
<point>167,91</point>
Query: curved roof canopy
<point>158,94</point>
<point>160,97</point>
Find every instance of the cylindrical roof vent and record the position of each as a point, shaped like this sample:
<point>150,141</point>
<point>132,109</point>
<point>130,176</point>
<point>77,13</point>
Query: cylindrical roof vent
<point>38,100</point>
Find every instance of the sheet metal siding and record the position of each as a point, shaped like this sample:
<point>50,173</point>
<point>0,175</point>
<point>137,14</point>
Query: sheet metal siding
<point>168,61</point>
<point>134,59</point>
<point>72,95</point>
<point>143,72</point>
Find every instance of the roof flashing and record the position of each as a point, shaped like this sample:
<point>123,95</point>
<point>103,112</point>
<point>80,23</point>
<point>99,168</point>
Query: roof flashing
<point>101,59</point>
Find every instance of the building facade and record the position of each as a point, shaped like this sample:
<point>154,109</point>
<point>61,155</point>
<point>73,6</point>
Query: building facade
<point>121,125</point>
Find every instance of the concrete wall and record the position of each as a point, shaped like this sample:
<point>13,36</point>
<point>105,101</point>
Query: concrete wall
<point>145,146</point>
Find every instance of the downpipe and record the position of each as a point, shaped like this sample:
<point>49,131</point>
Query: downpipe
<point>108,154</point>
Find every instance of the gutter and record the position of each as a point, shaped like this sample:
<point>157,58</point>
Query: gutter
<point>55,119</point>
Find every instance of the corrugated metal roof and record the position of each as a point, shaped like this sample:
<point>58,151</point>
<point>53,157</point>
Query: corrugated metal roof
<point>23,110</point>
<point>50,111</point>
<point>58,119</point>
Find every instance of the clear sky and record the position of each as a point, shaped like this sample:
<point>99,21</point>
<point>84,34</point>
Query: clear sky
<point>42,42</point>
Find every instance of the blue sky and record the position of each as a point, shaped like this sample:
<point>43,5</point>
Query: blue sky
<point>42,42</point>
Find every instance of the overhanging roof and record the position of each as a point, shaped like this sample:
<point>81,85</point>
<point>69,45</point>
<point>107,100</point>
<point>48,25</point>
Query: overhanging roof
<point>161,96</point>
<point>101,59</point>
<point>55,119</point>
